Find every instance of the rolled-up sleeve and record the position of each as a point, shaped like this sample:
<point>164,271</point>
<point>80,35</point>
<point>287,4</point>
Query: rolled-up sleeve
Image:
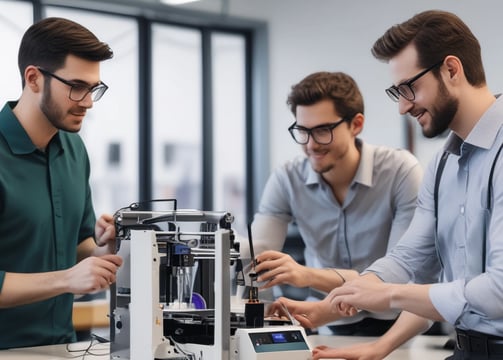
<point>450,310</point>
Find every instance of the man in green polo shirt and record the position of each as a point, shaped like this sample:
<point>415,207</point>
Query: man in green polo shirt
<point>51,246</point>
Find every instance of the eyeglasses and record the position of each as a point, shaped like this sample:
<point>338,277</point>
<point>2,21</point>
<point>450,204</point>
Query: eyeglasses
<point>79,91</point>
<point>405,89</point>
<point>322,134</point>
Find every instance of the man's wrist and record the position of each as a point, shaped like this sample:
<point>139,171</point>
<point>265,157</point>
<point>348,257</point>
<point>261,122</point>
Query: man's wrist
<point>340,277</point>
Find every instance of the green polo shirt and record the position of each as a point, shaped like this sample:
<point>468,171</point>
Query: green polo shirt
<point>45,211</point>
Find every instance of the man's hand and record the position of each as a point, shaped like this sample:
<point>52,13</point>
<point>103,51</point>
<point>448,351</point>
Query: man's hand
<point>279,268</point>
<point>92,274</point>
<point>105,232</point>
<point>370,293</point>
<point>363,293</point>
<point>363,351</point>
<point>405,328</point>
<point>310,314</point>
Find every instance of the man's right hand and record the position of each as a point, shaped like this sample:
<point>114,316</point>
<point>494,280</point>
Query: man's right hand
<point>276,268</point>
<point>90,275</point>
<point>93,274</point>
<point>362,351</point>
<point>310,314</point>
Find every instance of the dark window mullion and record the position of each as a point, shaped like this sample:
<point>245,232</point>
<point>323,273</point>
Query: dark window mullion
<point>38,11</point>
<point>207,119</point>
<point>145,109</point>
<point>249,136</point>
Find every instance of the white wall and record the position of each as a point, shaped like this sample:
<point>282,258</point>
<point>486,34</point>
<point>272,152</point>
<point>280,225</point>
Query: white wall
<point>336,35</point>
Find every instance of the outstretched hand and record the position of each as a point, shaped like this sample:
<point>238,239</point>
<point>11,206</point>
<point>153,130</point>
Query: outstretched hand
<point>362,351</point>
<point>363,293</point>
<point>278,268</point>
<point>92,274</point>
<point>310,314</point>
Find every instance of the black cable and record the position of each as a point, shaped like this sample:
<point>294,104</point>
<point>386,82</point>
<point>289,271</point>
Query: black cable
<point>88,350</point>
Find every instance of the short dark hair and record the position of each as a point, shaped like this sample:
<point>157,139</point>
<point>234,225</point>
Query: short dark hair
<point>435,34</point>
<point>337,87</point>
<point>48,42</point>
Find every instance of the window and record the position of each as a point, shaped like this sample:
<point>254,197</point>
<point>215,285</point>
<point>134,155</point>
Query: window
<point>180,137</point>
<point>177,126</point>
<point>229,119</point>
<point>177,115</point>
<point>15,18</point>
<point>110,128</point>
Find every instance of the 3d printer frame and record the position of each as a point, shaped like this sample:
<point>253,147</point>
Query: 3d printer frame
<point>136,310</point>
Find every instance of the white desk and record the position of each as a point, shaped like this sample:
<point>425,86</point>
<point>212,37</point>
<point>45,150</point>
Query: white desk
<point>58,352</point>
<point>420,348</point>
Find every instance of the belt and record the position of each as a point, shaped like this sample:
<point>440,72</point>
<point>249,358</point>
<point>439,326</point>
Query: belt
<point>478,343</point>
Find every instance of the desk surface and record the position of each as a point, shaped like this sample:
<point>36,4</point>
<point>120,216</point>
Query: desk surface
<point>420,348</point>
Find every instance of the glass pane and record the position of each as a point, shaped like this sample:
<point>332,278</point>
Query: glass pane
<point>15,18</point>
<point>177,109</point>
<point>229,126</point>
<point>110,130</point>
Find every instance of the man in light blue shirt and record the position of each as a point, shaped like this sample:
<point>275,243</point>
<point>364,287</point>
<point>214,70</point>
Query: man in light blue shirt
<point>350,200</point>
<point>455,260</point>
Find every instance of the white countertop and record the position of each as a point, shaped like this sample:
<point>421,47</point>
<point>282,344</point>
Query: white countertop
<point>419,348</point>
<point>58,352</point>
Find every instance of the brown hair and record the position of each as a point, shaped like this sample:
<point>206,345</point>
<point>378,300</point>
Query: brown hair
<point>48,42</point>
<point>338,87</point>
<point>435,34</point>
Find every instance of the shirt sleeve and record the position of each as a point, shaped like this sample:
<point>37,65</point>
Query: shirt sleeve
<point>452,309</point>
<point>269,233</point>
<point>270,223</point>
<point>415,259</point>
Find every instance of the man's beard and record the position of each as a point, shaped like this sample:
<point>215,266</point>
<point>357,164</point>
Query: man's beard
<point>443,113</point>
<point>325,169</point>
<point>52,111</point>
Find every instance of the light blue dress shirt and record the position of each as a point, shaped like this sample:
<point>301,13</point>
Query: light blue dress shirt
<point>463,294</point>
<point>376,211</point>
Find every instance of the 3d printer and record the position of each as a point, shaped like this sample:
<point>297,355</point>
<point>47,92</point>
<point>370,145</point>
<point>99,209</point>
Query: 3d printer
<point>172,297</point>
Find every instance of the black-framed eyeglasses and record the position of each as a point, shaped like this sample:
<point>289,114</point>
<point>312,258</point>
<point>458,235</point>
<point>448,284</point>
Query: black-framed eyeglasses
<point>322,134</point>
<point>405,89</point>
<point>79,91</point>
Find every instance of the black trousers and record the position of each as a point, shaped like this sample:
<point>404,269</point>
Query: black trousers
<point>466,355</point>
<point>474,345</point>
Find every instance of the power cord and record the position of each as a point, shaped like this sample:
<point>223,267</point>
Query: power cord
<point>89,350</point>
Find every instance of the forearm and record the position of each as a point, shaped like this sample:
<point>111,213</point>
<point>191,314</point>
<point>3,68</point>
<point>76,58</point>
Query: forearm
<point>20,289</point>
<point>329,278</point>
<point>88,248</point>
<point>415,299</point>
<point>405,327</point>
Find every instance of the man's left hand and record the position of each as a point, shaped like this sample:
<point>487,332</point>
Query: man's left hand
<point>361,294</point>
<point>105,231</point>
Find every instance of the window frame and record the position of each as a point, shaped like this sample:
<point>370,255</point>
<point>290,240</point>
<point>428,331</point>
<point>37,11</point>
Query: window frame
<point>256,34</point>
